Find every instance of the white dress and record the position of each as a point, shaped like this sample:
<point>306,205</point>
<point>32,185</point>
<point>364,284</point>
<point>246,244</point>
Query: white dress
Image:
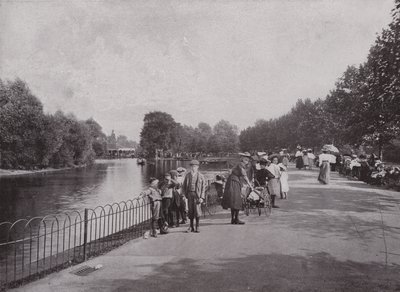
<point>284,182</point>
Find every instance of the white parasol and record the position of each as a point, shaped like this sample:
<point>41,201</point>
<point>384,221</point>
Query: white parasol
<point>331,148</point>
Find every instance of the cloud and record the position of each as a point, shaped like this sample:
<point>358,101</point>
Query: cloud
<point>198,60</point>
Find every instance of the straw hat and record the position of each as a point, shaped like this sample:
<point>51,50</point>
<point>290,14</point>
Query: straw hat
<point>194,162</point>
<point>245,154</point>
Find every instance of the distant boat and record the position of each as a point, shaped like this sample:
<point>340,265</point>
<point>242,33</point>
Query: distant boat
<point>141,161</point>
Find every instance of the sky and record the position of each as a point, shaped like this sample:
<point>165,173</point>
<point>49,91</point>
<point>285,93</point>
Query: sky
<point>200,61</point>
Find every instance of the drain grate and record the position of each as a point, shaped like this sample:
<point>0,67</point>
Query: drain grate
<point>83,271</point>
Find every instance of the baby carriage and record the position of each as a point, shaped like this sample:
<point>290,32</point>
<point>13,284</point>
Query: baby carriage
<point>259,201</point>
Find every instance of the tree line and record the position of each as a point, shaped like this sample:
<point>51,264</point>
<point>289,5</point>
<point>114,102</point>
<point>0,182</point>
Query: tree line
<point>160,132</point>
<point>31,138</point>
<point>362,110</point>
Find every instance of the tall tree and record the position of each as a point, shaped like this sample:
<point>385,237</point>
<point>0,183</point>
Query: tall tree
<point>157,132</point>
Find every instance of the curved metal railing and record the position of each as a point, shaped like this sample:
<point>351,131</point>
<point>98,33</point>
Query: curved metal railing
<point>32,248</point>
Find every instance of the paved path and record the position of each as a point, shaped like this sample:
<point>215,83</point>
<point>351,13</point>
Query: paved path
<point>341,237</point>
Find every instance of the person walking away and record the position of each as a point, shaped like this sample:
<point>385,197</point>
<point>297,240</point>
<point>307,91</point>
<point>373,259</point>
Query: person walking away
<point>305,159</point>
<point>324,167</point>
<point>194,187</point>
<point>355,166</point>
<point>236,187</point>
<point>183,209</point>
<point>274,186</point>
<point>154,195</point>
<point>333,161</point>
<point>284,180</point>
<point>311,158</point>
<point>299,158</point>
<point>176,199</point>
<point>167,188</point>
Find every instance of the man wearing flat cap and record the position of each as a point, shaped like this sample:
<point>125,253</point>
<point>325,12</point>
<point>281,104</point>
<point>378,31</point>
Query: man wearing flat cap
<point>194,187</point>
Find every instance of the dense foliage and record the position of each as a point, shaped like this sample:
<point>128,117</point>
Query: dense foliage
<point>30,139</point>
<point>362,109</point>
<point>160,132</point>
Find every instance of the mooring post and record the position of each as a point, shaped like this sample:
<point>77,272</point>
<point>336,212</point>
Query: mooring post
<point>85,231</point>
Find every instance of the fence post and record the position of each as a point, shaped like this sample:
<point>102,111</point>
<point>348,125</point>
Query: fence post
<point>85,230</point>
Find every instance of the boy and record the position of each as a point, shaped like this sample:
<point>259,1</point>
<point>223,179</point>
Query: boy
<point>154,194</point>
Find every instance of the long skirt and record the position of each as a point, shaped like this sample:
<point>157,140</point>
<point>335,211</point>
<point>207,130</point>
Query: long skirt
<point>233,194</point>
<point>284,182</point>
<point>274,187</point>
<point>305,160</point>
<point>299,162</point>
<point>193,205</point>
<point>324,173</point>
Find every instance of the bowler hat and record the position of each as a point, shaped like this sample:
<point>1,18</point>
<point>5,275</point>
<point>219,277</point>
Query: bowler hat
<point>194,162</point>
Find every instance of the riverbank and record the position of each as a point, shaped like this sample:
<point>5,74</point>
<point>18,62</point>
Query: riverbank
<point>19,172</point>
<point>323,238</point>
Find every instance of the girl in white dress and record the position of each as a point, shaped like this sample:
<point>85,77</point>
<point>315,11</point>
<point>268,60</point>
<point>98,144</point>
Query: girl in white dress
<point>284,181</point>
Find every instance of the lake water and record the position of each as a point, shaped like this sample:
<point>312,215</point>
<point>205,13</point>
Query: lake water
<point>57,192</point>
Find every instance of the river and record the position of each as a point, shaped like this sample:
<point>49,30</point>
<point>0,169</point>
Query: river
<point>107,181</point>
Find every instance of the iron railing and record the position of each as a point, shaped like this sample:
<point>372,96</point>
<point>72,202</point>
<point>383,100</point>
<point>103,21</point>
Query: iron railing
<point>32,248</point>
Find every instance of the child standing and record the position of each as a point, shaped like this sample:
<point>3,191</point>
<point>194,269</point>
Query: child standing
<point>284,181</point>
<point>154,194</point>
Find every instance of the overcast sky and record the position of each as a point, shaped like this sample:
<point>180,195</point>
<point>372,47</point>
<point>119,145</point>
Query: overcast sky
<point>197,60</point>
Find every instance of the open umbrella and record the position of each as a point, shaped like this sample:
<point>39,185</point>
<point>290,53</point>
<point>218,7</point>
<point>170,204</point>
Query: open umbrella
<point>331,148</point>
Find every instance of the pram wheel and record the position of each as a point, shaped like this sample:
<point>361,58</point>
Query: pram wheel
<point>267,206</point>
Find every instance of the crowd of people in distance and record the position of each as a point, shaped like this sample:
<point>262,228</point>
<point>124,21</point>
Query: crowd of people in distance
<point>369,169</point>
<point>366,168</point>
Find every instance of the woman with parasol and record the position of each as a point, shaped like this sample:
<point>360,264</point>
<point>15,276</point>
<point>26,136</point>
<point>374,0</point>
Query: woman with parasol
<point>324,166</point>
<point>236,187</point>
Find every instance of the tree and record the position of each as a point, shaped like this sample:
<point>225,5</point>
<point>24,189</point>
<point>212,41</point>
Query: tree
<point>158,132</point>
<point>225,137</point>
<point>112,141</point>
<point>99,139</point>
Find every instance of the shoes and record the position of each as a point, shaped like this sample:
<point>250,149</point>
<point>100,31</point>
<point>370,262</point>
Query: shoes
<point>239,222</point>
<point>233,221</point>
<point>154,234</point>
<point>182,222</point>
<point>275,206</point>
<point>197,230</point>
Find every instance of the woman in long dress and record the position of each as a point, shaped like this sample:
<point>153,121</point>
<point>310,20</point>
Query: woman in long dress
<point>274,185</point>
<point>235,188</point>
<point>299,158</point>
<point>324,167</point>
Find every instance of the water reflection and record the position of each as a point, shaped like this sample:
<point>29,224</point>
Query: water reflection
<point>58,192</point>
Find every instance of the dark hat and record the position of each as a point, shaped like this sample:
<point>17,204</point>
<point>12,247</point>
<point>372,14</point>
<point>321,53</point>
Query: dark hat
<point>181,169</point>
<point>194,162</point>
<point>173,173</point>
<point>167,174</point>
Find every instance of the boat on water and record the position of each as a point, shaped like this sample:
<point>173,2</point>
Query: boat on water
<point>141,161</point>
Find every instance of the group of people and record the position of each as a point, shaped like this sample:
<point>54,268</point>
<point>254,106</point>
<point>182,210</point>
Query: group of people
<point>369,169</point>
<point>178,194</point>
<point>261,171</point>
<point>305,158</point>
